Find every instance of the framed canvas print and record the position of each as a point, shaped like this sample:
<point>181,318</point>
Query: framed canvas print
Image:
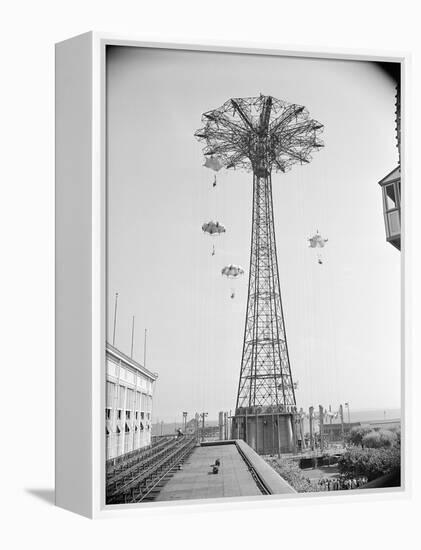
<point>230,234</point>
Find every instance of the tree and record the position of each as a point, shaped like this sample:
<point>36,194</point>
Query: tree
<point>371,463</point>
<point>378,439</point>
<point>356,435</point>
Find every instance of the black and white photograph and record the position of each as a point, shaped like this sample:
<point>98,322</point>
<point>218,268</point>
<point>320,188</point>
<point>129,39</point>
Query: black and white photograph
<point>253,275</point>
<point>211,308</point>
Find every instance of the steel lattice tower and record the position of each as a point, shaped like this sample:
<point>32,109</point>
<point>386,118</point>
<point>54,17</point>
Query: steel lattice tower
<point>262,134</point>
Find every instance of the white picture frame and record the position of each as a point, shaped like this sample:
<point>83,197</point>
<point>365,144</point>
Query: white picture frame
<point>81,256</point>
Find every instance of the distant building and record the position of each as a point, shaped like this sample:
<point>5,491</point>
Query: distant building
<point>391,183</point>
<point>334,432</point>
<point>128,408</point>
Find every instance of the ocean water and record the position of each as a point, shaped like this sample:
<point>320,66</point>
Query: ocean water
<point>371,415</point>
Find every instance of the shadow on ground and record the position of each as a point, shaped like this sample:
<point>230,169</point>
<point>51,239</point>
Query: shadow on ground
<point>47,495</point>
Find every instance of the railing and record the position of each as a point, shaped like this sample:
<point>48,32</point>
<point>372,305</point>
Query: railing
<point>134,480</point>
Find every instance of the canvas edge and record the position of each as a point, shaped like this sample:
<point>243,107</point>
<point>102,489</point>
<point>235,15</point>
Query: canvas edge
<point>99,42</point>
<point>73,275</point>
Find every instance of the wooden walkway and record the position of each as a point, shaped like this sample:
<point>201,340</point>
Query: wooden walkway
<point>196,480</point>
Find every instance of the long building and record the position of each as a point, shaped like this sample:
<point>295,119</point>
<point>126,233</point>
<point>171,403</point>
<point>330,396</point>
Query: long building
<point>128,412</point>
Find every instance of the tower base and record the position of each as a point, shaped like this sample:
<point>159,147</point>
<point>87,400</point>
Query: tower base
<point>266,433</point>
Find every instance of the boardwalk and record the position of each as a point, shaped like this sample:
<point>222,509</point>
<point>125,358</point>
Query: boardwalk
<point>196,480</point>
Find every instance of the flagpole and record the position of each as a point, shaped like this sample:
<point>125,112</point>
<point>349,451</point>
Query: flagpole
<point>115,316</point>
<point>131,352</point>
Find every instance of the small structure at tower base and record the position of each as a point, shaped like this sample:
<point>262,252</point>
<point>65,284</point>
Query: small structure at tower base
<point>268,430</point>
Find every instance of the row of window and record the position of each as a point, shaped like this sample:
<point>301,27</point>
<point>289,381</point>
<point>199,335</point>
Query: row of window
<point>129,374</point>
<point>120,397</point>
<point>127,429</point>
<point>128,414</point>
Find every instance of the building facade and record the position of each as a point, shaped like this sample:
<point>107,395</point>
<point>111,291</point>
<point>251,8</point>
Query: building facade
<point>391,183</point>
<point>128,407</point>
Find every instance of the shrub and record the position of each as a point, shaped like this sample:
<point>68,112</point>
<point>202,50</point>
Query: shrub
<point>378,439</point>
<point>371,463</point>
<point>291,472</point>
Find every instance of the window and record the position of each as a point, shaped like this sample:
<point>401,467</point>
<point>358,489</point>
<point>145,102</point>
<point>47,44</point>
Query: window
<point>127,415</point>
<point>142,415</point>
<point>390,196</point>
<point>119,414</point>
<point>108,414</point>
<point>110,394</point>
<point>136,415</point>
<point>137,400</point>
<point>121,396</point>
<point>126,428</point>
<point>107,431</point>
<point>391,205</point>
<point>130,399</point>
<point>118,430</point>
<point>394,223</point>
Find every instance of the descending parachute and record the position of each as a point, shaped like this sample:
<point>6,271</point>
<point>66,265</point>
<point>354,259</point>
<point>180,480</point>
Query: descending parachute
<point>317,241</point>
<point>213,228</point>
<point>215,164</point>
<point>232,272</point>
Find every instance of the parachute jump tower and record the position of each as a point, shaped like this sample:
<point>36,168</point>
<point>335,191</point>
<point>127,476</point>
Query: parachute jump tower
<point>262,134</point>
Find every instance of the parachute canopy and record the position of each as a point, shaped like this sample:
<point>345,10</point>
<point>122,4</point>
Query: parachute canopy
<point>213,163</point>
<point>213,228</point>
<point>317,241</point>
<point>232,271</point>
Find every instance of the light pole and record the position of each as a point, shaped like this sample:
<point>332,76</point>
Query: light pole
<point>115,316</point>
<point>196,426</point>
<point>185,421</point>
<point>311,420</point>
<point>341,416</point>
<point>321,427</point>
<point>203,415</point>
<point>349,416</point>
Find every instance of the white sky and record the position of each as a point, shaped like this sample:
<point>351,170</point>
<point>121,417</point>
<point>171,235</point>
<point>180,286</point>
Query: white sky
<point>342,318</point>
